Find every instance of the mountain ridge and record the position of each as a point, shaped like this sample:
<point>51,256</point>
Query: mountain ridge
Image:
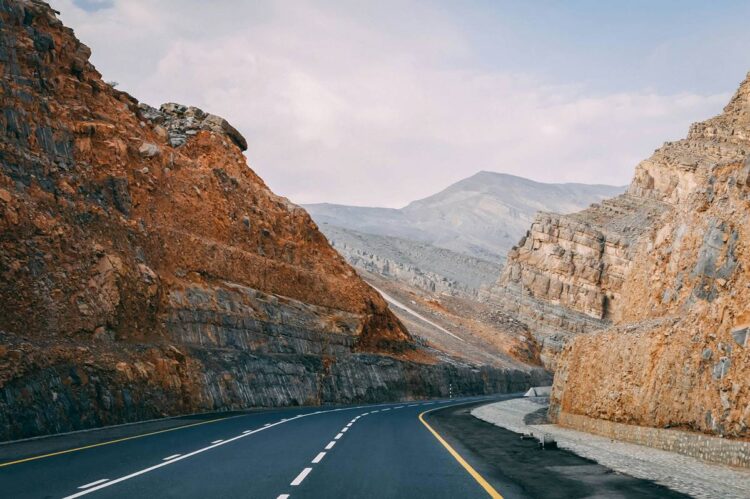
<point>483,215</point>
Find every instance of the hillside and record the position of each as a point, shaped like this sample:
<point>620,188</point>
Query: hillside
<point>416,264</point>
<point>146,270</point>
<point>481,216</point>
<point>454,242</point>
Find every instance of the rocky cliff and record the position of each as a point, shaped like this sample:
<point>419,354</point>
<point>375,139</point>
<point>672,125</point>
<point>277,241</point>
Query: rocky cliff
<point>565,276</point>
<point>660,272</point>
<point>145,270</point>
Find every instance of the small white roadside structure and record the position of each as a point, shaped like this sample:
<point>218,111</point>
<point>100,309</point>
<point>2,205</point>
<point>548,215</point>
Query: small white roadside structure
<point>538,391</point>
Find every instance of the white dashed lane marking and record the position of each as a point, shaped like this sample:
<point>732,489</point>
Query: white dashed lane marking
<point>303,474</point>
<point>317,459</point>
<point>105,482</point>
<point>100,484</point>
<point>93,483</point>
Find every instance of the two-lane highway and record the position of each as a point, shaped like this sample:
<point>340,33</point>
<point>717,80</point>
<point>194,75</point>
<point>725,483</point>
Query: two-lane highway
<point>420,449</point>
<point>360,451</point>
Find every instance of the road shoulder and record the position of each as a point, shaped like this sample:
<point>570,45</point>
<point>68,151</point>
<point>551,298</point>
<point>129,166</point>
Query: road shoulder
<point>519,469</point>
<point>675,471</point>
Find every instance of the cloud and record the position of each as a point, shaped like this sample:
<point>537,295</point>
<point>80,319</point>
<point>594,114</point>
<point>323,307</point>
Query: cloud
<point>350,105</point>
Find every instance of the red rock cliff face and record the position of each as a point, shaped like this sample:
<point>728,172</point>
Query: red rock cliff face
<point>146,270</point>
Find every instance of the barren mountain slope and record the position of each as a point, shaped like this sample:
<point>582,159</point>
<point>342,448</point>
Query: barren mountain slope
<point>480,216</point>
<point>413,263</point>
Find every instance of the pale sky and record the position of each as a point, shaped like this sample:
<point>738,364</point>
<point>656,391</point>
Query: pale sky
<point>382,102</point>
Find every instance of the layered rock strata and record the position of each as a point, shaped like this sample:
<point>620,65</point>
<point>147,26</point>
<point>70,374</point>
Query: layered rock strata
<point>565,276</point>
<point>145,270</point>
<point>677,353</point>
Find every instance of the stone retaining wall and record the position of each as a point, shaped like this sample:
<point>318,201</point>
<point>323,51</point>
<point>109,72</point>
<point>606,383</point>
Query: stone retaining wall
<point>705,447</point>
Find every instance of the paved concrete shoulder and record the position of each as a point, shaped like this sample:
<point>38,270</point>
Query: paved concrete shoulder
<point>681,473</point>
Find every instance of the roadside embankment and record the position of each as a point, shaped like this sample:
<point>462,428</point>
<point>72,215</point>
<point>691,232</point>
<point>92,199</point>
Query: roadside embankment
<point>678,472</point>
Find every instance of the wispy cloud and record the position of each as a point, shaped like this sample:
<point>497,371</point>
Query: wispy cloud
<point>345,105</point>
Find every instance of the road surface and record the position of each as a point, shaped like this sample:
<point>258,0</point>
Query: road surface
<point>411,449</point>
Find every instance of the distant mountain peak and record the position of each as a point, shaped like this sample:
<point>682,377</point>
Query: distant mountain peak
<point>481,216</point>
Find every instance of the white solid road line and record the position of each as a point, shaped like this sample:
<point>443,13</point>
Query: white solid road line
<point>338,436</point>
<point>330,445</point>
<point>217,441</point>
<point>93,483</point>
<point>303,474</point>
<point>171,457</point>
<point>166,463</point>
<point>319,457</point>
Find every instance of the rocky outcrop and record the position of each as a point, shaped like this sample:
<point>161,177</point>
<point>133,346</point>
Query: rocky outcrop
<point>676,354</point>
<point>145,270</point>
<point>565,276</point>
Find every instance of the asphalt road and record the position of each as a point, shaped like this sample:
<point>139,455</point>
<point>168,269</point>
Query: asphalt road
<point>374,451</point>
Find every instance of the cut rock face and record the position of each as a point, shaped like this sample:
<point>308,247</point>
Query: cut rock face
<point>665,287</point>
<point>146,270</point>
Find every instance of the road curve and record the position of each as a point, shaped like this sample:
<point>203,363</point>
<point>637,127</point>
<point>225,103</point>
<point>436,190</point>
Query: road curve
<point>421,449</point>
<point>355,451</point>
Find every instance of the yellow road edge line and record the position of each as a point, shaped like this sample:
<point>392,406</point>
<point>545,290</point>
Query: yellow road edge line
<point>474,474</point>
<point>68,451</point>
